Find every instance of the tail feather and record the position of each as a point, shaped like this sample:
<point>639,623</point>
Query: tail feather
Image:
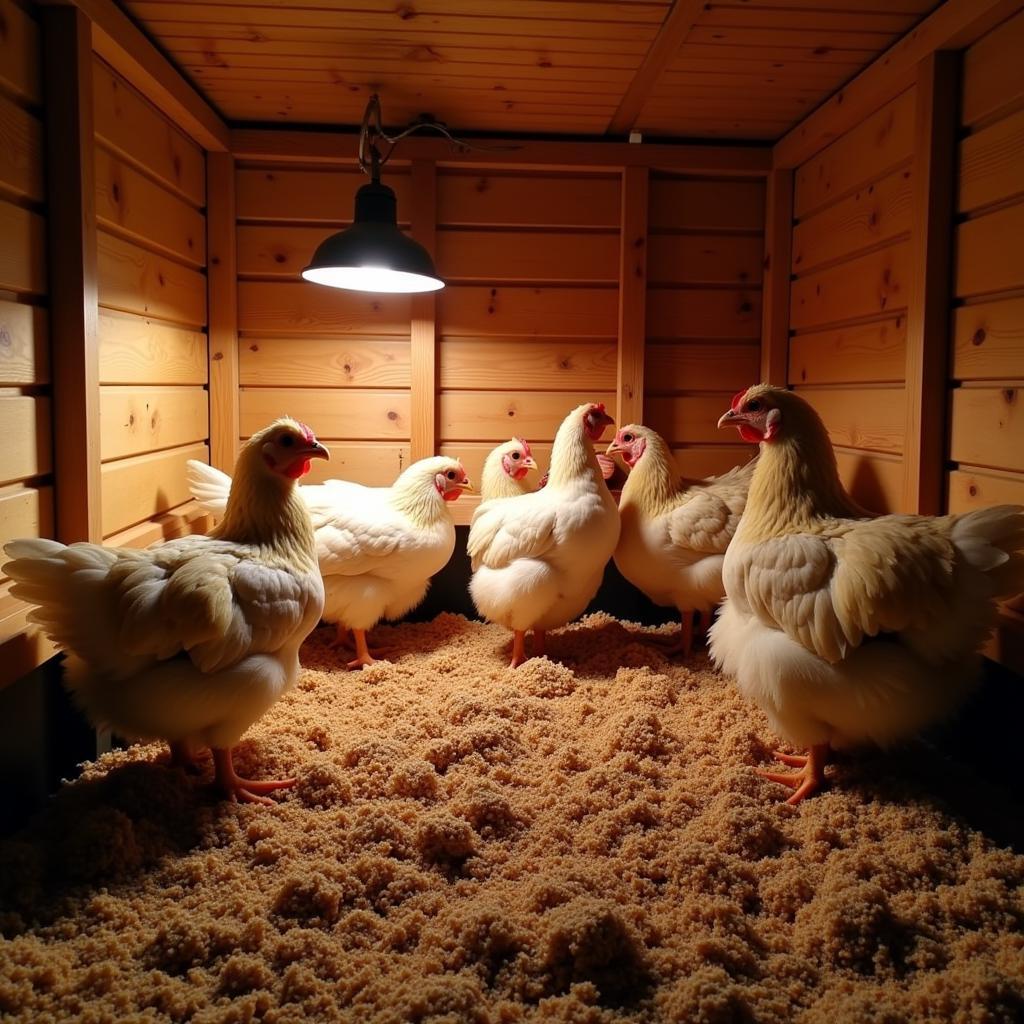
<point>209,486</point>
<point>992,541</point>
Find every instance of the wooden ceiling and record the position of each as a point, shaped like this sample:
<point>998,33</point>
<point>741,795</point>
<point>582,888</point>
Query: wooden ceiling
<point>746,69</point>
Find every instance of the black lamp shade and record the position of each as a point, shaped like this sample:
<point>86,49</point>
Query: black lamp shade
<point>374,254</point>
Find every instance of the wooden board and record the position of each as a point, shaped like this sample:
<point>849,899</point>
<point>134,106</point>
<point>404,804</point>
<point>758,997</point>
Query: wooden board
<point>866,286</point>
<point>276,194</point>
<point>177,522</point>
<point>703,313</point>
<point>990,253</point>
<point>877,145</point>
<point>373,463</point>
<point>28,420</point>
<point>993,73</point>
<point>19,52</point>
<point>877,213</point>
<point>135,280</point>
<point>988,341</point>
<point>868,418</point>
<point>866,353</point>
<point>133,128</point>
<point>704,259</point>
<point>689,418</point>
<point>874,481</point>
<point>467,199</point>
<point>684,204</point>
<point>139,350</point>
<point>25,512</point>
<point>24,344</point>
<point>525,256</point>
<point>695,462</point>
<point>988,427</point>
<point>22,250</point>
<point>287,308</point>
<point>144,486</point>
<point>700,367</point>
<point>134,420</point>
<point>132,205</point>
<point>356,415</point>
<point>324,362</point>
<point>21,151</point>
<point>990,164</point>
<point>473,311</point>
<point>527,365</point>
<point>484,416</point>
<point>970,489</point>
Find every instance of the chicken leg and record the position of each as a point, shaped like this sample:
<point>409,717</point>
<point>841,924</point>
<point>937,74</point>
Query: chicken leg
<point>808,780</point>
<point>518,648</point>
<point>363,655</point>
<point>237,789</point>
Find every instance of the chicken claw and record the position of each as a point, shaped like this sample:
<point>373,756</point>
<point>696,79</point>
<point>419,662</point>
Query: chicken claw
<point>805,782</point>
<point>237,789</point>
<point>363,656</point>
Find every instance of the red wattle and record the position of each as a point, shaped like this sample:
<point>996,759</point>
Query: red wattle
<point>751,434</point>
<point>451,495</point>
<point>300,467</point>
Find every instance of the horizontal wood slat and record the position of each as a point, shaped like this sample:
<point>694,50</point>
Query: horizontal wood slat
<point>993,73</point>
<point>879,143</point>
<point>372,463</point>
<point>24,344</point>
<point>28,420</point>
<point>144,486</point>
<point>19,52</point>
<point>22,250</point>
<point>704,259</point>
<point>288,308</point>
<point>472,311</point>
<point>128,124</point>
<point>695,205</point>
<point>25,512</point>
<point>700,367</point>
<point>135,280</point>
<point>135,420</point>
<point>21,151</point>
<point>988,427</point>
<point>874,481</point>
<point>324,362</point>
<point>867,353</point>
<point>877,213</point>
<point>868,418</point>
<point>356,415</point>
<point>484,416</point>
<point>990,253</point>
<point>970,489</point>
<point>131,204</point>
<point>697,313</point>
<point>690,418</point>
<point>866,286</point>
<point>695,462</point>
<point>137,350</point>
<point>990,164</point>
<point>484,363</point>
<point>988,340</point>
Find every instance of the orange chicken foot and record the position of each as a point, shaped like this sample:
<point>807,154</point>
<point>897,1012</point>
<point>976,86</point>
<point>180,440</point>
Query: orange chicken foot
<point>808,780</point>
<point>363,655</point>
<point>518,647</point>
<point>240,790</point>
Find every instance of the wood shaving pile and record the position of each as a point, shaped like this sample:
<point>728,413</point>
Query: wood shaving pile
<point>582,842</point>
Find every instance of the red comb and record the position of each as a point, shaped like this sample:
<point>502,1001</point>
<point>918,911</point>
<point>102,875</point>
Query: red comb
<point>599,406</point>
<point>737,398</point>
<point>307,434</point>
<point>525,444</point>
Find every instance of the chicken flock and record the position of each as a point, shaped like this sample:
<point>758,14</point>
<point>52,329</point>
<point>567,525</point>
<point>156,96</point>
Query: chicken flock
<point>844,627</point>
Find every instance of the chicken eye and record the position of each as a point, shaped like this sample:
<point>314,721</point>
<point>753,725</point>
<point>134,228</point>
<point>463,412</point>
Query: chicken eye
<point>627,438</point>
<point>516,455</point>
<point>450,474</point>
<point>287,441</point>
<point>754,405</point>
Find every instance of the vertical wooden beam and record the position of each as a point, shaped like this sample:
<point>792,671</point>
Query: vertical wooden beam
<point>423,329</point>
<point>71,229</point>
<point>222,306</point>
<point>778,248</point>
<point>928,313</point>
<point>632,296</point>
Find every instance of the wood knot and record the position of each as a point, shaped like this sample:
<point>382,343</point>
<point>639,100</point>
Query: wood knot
<point>973,490</point>
<point>347,367</point>
<point>392,415</point>
<point>279,257</point>
<point>1009,395</point>
<point>115,192</point>
<point>254,347</point>
<point>511,412</point>
<point>482,185</point>
<point>406,13</point>
<point>543,62</point>
<point>217,356</point>
<point>565,364</point>
<point>978,338</point>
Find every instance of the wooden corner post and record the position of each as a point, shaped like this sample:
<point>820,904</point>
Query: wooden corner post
<point>778,247</point>
<point>423,327</point>
<point>632,297</point>
<point>71,236</point>
<point>929,301</point>
<point>222,304</point>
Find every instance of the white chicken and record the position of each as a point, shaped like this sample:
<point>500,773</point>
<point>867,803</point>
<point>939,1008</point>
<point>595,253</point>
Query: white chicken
<point>505,469</point>
<point>674,533</point>
<point>849,630</point>
<point>377,546</point>
<point>538,559</point>
<point>191,641</point>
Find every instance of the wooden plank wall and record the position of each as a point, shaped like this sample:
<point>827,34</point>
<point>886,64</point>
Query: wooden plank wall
<point>26,455</point>
<point>852,208</point>
<point>704,271</point>
<point>986,440</point>
<point>151,255</point>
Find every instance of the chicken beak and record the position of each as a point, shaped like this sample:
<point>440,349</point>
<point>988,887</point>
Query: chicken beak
<point>528,463</point>
<point>613,448</point>
<point>728,419</point>
<point>464,485</point>
<point>315,451</point>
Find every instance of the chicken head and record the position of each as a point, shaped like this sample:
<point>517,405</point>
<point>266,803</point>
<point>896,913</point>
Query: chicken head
<point>516,459</point>
<point>630,442</point>
<point>595,419</point>
<point>451,480</point>
<point>758,412</point>
<point>287,447</point>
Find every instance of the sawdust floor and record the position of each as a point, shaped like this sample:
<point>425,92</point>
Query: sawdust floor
<point>582,841</point>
